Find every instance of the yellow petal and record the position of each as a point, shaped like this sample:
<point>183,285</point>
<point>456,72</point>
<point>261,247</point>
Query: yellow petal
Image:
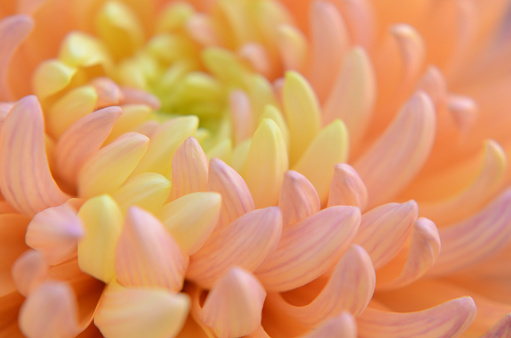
<point>292,47</point>
<point>133,115</point>
<point>81,50</point>
<point>103,221</point>
<point>51,76</point>
<point>298,198</point>
<point>347,188</point>
<point>273,113</point>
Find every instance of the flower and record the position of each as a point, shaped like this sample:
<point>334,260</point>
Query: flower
<point>254,167</point>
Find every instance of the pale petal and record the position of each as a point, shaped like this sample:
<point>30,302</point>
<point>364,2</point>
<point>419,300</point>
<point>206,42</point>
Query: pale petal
<point>142,312</point>
<point>51,76</point>
<point>108,169</point>
<point>360,19</point>
<point>82,140</point>
<point>434,85</point>
<point>347,188</point>
<point>329,147</point>
<point>50,311</point>
<point>463,111</point>
<point>266,163</point>
<point>245,243</point>
<point>82,50</point>
<point>147,255</point>
<point>392,162</point>
<point>309,248</point>
<point>241,116</point>
<point>412,49</point>
<point>501,329</point>
<point>470,241</point>
<point>448,319</point>
<point>385,229</point>
<point>234,304</point>
<point>137,96</point>
<point>343,325</point>
<point>298,198</point>
<point>189,169</point>
<point>109,93</point>
<point>292,46</point>
<point>26,180</point>
<point>200,28</point>
<point>257,56</point>
<point>14,30</point>
<point>55,233</point>
<point>29,270</point>
<point>191,219</point>
<point>103,221</point>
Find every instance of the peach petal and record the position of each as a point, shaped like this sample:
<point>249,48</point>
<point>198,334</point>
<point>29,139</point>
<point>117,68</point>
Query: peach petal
<point>14,30</point>
<point>433,83</point>
<point>108,169</point>
<point>463,111</point>
<point>500,329</point>
<point>323,237</point>
<point>82,140</point>
<point>298,198</point>
<point>109,93</point>
<point>470,241</point>
<point>29,271</point>
<point>26,181</point>
<point>347,188</point>
<point>143,312</point>
<point>392,162</point>
<point>246,242</point>
<point>343,325</point>
<point>234,304</point>
<point>147,255</point>
<point>257,56</point>
<point>200,28</point>
<point>384,230</point>
<point>292,46</point>
<point>236,197</point>
<point>189,169</point>
<point>191,219</point>
<point>412,49</point>
<point>353,94</point>
<point>55,233</point>
<point>241,116</point>
<point>447,319</point>
<point>350,288</point>
<point>360,20</point>
<point>421,255</point>
<point>137,96</point>
<point>50,311</point>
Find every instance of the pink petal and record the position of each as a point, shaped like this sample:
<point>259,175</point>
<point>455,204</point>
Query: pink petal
<point>309,248</point>
<point>29,270</point>
<point>147,255</point>
<point>446,320</point>
<point>298,198</point>
<point>347,188</point>
<point>109,93</point>
<point>26,181</point>
<point>245,243</point>
<point>434,85</point>
<point>137,96</point>
<point>241,116</point>
<point>343,325</point>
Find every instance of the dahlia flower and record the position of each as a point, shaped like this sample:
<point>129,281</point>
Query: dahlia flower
<point>261,168</point>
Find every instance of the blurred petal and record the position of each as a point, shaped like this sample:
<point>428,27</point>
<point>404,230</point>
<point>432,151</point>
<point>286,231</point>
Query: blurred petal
<point>343,325</point>
<point>500,329</point>
<point>189,169</point>
<point>12,245</point>
<point>29,271</point>
<point>347,188</point>
<point>109,93</point>
<point>298,198</point>
<point>292,46</point>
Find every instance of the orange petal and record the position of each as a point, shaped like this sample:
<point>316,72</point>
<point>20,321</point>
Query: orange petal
<point>234,304</point>
<point>29,271</point>
<point>26,181</point>
<point>448,319</point>
<point>501,329</point>
<point>143,312</point>
<point>14,30</point>
<point>343,325</point>
<point>309,248</point>
<point>12,245</point>
<point>298,198</point>
<point>236,197</point>
<point>146,254</point>
<point>50,311</point>
<point>350,288</point>
<point>82,140</point>
<point>384,230</point>
<point>55,233</point>
<point>389,165</point>
<point>347,188</point>
<point>245,243</point>
<point>189,169</point>
<point>476,238</point>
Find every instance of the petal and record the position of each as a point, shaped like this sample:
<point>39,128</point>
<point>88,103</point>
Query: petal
<point>82,50</point>
<point>55,233</point>
<point>347,188</point>
<point>245,243</point>
<point>191,219</point>
<point>389,165</point>
<point>108,169</point>
<point>50,311</point>
<point>411,47</point>
<point>302,113</point>
<point>51,76</point>
<point>82,140</point>
<point>29,271</point>
<point>470,241</point>
<point>501,329</point>
<point>26,180</point>
<point>384,230</point>
<point>448,319</point>
<point>136,96</point>
<point>189,169</point>
<point>266,163</point>
<point>14,30</point>
<point>234,304</point>
<point>343,325</point>
<point>236,197</point>
<point>330,146</point>
<point>434,85</point>
<point>298,198</point>
<point>103,221</point>
<point>109,93</point>
<point>134,117</point>
<point>143,313</point>
<point>147,255</point>
<point>241,116</point>
<point>309,248</point>
<point>292,46</point>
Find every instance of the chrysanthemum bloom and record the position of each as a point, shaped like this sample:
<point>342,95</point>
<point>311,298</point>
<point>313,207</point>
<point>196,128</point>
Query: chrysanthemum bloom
<point>253,167</point>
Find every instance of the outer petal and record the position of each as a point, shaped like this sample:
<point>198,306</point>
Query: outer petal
<point>347,188</point>
<point>343,325</point>
<point>298,198</point>
<point>189,169</point>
